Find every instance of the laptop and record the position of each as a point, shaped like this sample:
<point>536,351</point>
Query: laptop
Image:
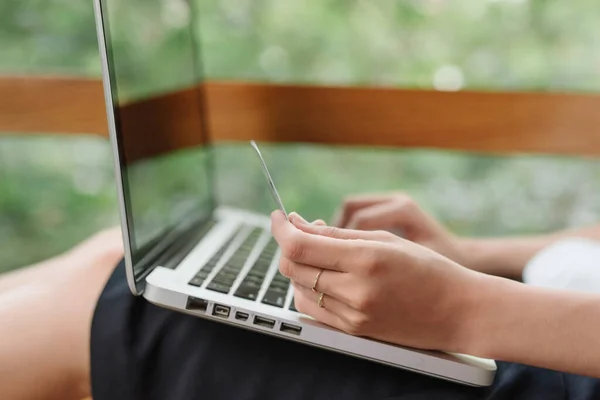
<point>184,250</point>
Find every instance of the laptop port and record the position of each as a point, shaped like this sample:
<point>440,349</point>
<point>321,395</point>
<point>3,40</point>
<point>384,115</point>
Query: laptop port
<point>221,311</point>
<point>196,304</point>
<point>242,316</point>
<point>289,328</point>
<point>262,321</point>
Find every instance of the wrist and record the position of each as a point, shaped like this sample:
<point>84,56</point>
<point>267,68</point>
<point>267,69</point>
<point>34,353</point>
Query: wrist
<point>486,315</point>
<point>543,327</point>
<point>477,253</point>
<point>464,302</point>
<point>505,257</point>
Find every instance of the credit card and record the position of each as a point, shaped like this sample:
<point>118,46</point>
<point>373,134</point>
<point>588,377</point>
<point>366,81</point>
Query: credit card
<point>272,187</point>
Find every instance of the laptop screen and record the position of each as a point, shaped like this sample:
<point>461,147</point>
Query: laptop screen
<point>153,65</point>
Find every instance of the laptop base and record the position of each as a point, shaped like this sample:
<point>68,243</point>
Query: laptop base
<point>170,289</point>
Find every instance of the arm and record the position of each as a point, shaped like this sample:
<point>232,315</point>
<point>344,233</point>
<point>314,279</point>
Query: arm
<point>508,256</point>
<point>548,328</point>
<point>496,256</point>
<point>373,286</point>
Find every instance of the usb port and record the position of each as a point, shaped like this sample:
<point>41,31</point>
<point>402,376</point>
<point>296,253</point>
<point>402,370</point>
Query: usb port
<point>221,311</point>
<point>196,304</point>
<point>242,316</point>
<point>262,321</point>
<point>288,328</point>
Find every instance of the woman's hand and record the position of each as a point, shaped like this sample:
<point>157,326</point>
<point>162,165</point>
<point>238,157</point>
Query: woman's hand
<point>398,213</point>
<point>377,284</point>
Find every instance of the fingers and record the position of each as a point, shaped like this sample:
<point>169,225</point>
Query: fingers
<point>394,212</point>
<point>329,282</point>
<point>307,302</point>
<point>315,250</point>
<point>339,233</point>
<point>387,215</point>
<point>355,203</point>
<point>331,304</point>
<point>376,211</point>
<point>295,216</point>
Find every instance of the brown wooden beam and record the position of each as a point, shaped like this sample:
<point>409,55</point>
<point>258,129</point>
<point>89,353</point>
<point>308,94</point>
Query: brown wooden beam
<point>476,121</point>
<point>65,105</point>
<point>162,124</point>
<point>473,121</point>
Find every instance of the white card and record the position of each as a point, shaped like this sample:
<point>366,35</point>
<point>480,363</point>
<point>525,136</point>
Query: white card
<point>274,192</point>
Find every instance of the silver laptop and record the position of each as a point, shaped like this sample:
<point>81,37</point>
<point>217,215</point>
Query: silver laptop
<point>184,251</point>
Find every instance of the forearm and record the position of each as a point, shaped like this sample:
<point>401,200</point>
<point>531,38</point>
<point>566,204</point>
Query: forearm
<point>502,257</point>
<point>508,256</point>
<point>535,326</point>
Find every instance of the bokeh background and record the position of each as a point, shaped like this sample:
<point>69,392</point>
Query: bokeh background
<point>55,191</point>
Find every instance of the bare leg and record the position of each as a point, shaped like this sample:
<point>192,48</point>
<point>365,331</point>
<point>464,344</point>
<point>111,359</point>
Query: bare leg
<point>100,245</point>
<point>46,313</point>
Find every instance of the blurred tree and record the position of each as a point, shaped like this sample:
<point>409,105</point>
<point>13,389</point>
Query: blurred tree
<point>55,191</point>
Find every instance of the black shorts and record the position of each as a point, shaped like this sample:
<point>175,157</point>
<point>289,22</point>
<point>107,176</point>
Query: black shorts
<point>140,351</point>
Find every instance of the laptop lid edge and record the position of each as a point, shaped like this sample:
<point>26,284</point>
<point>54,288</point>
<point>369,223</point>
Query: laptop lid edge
<point>136,288</point>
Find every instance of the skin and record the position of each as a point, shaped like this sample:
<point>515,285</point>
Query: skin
<point>44,351</point>
<point>46,312</point>
<point>373,285</point>
<point>495,256</point>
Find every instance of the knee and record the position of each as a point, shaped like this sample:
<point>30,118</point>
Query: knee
<point>104,248</point>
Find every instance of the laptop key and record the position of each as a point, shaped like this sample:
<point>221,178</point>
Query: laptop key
<point>238,259</point>
<point>217,287</point>
<point>274,298</point>
<point>281,280</point>
<point>252,284</point>
<point>206,269</point>
<point>293,306</point>
<point>231,269</point>
<point>228,274</point>
<point>202,274</point>
<point>249,292</point>
<point>276,286</point>
<point>223,281</point>
<point>197,281</point>
<point>254,279</point>
<point>276,291</point>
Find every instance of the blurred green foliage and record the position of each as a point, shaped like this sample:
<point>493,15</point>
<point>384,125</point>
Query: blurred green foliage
<point>56,191</point>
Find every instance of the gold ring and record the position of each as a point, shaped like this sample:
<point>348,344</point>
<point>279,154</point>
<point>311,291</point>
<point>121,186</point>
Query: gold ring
<point>321,297</point>
<point>314,286</point>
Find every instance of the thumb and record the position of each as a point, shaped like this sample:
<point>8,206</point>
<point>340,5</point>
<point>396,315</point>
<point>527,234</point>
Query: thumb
<point>335,232</point>
<point>301,219</point>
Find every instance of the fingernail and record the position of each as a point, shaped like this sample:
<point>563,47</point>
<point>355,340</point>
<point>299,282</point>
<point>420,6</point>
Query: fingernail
<point>295,217</point>
<point>275,212</point>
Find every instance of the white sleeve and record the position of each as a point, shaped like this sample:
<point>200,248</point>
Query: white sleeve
<point>569,264</point>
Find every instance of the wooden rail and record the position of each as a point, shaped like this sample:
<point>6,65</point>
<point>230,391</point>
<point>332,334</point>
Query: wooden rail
<point>51,105</point>
<point>235,111</point>
<point>486,122</point>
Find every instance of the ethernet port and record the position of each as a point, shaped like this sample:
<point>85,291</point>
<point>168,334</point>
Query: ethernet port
<point>196,304</point>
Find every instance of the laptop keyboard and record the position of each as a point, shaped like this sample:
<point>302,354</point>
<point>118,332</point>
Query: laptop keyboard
<point>277,291</point>
<point>249,288</point>
<point>253,280</point>
<point>223,281</point>
<point>201,276</point>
